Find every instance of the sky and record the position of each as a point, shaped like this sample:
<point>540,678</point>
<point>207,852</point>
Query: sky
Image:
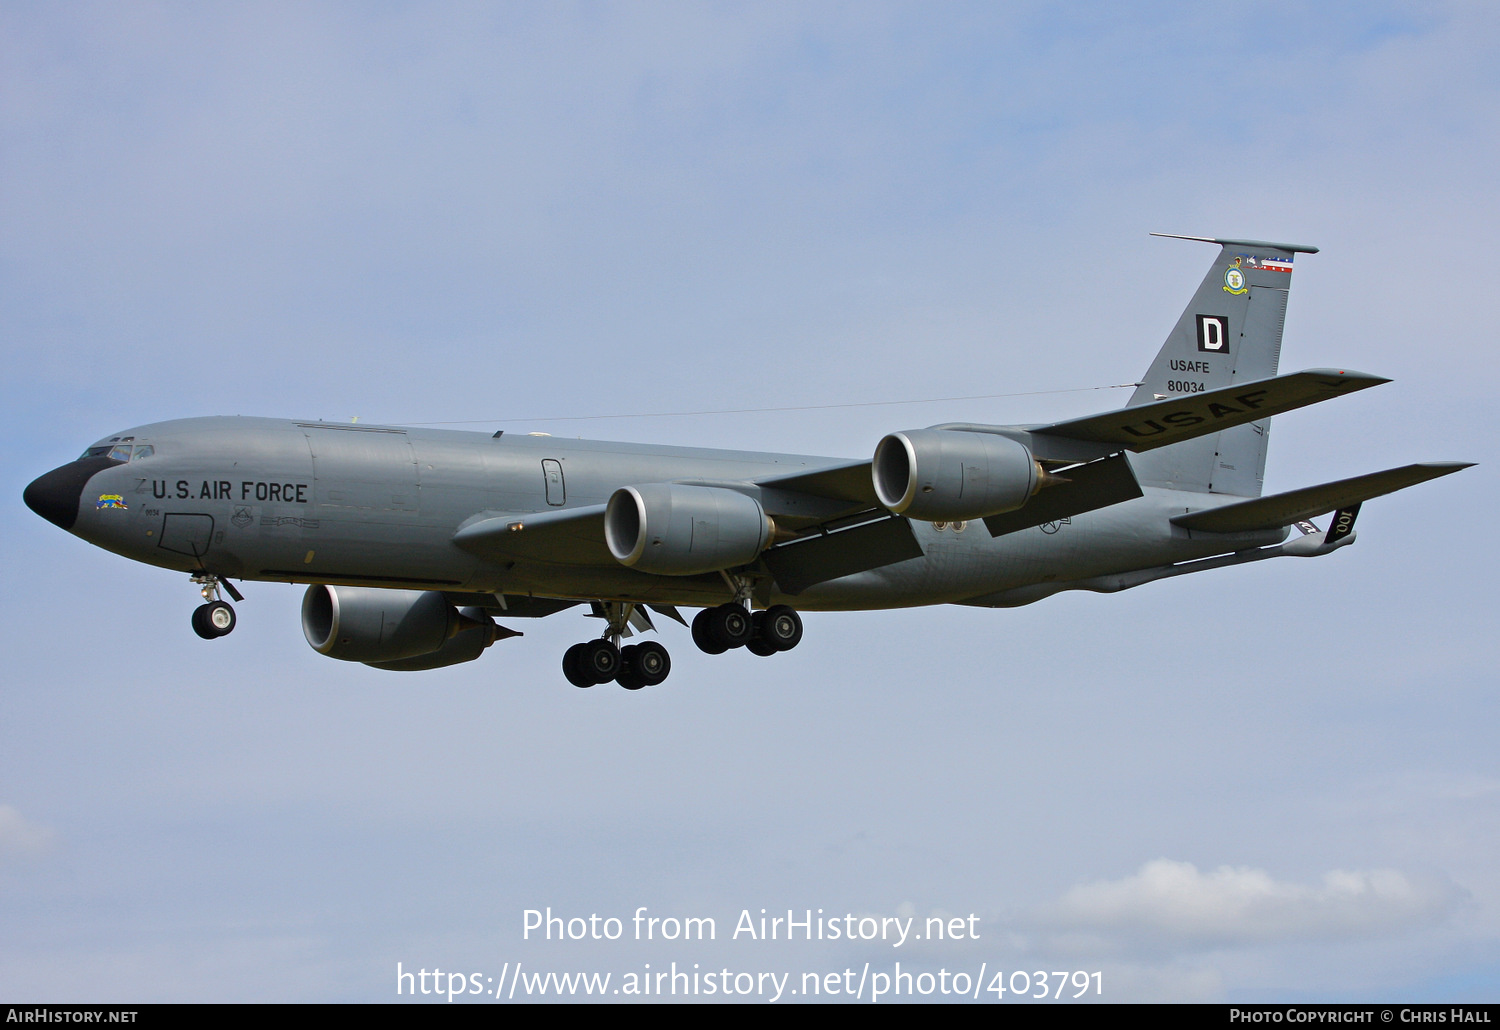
<point>1275,782</point>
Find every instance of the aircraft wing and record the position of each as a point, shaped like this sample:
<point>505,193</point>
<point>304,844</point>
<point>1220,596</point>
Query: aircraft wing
<point>869,545</point>
<point>855,533</point>
<point>1085,488</point>
<point>1174,419</point>
<point>850,482</point>
<point>1279,510</point>
<point>569,536</point>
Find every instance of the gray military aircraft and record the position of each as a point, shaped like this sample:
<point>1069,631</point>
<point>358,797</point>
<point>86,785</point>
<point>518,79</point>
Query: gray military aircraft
<point>413,541</point>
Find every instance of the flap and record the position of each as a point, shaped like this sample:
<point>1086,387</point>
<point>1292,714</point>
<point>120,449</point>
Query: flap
<point>1095,485</point>
<point>872,545</point>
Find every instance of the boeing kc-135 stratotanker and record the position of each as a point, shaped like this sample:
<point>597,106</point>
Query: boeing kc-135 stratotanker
<point>414,541</point>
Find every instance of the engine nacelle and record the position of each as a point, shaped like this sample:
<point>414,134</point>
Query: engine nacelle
<point>393,629</point>
<point>476,632</point>
<point>946,475</point>
<point>674,530</point>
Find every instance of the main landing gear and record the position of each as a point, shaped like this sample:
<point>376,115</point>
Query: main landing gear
<point>633,666</point>
<point>214,618</point>
<point>716,630</point>
<point>731,625</point>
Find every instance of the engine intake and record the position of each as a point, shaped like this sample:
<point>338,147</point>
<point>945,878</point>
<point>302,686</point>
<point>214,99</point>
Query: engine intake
<point>673,530</point>
<point>403,630</point>
<point>942,475</point>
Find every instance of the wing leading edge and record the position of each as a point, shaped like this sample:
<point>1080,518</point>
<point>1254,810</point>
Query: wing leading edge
<point>571,536</point>
<point>1175,419</point>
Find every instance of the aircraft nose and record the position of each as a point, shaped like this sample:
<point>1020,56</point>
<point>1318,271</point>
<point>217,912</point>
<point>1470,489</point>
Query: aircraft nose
<point>56,495</point>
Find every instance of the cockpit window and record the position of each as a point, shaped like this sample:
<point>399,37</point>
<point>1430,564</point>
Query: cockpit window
<point>120,452</point>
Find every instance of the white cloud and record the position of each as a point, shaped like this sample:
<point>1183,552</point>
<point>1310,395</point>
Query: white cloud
<point>1172,905</point>
<point>1169,982</point>
<point>22,839</point>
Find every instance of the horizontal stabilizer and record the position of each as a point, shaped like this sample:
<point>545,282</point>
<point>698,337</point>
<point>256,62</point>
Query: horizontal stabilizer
<point>1284,509</point>
<point>1095,485</point>
<point>570,536</point>
<point>1174,419</point>
<point>872,545</point>
<point>1295,248</point>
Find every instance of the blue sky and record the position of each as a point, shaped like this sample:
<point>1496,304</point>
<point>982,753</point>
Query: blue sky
<point>1270,782</point>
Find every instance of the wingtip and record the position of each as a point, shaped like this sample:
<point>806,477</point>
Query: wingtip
<point>1348,375</point>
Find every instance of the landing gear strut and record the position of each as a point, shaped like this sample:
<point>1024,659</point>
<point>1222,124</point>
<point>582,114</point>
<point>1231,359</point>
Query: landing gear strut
<point>214,618</point>
<point>599,661</point>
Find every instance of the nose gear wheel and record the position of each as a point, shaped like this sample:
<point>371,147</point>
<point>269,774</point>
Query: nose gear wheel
<point>214,618</point>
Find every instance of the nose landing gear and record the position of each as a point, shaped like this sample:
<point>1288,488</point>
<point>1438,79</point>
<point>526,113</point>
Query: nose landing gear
<point>214,618</point>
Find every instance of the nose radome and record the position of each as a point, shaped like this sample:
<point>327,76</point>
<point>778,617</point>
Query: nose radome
<point>56,496</point>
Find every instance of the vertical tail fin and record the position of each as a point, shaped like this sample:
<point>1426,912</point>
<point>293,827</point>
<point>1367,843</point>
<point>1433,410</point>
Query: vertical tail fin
<point>1230,332</point>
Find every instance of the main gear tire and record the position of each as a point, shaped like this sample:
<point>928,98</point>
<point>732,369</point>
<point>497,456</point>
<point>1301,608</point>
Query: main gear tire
<point>780,626</point>
<point>628,676</point>
<point>703,636</point>
<point>573,667</point>
<point>731,625</point>
<point>599,660</point>
<point>764,648</point>
<point>651,663</point>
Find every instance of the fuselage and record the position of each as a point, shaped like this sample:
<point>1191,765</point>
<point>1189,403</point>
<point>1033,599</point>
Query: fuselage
<point>318,502</point>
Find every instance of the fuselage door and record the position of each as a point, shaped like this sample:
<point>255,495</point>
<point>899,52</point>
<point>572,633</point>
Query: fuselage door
<point>186,533</point>
<point>557,492</point>
<point>370,469</point>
